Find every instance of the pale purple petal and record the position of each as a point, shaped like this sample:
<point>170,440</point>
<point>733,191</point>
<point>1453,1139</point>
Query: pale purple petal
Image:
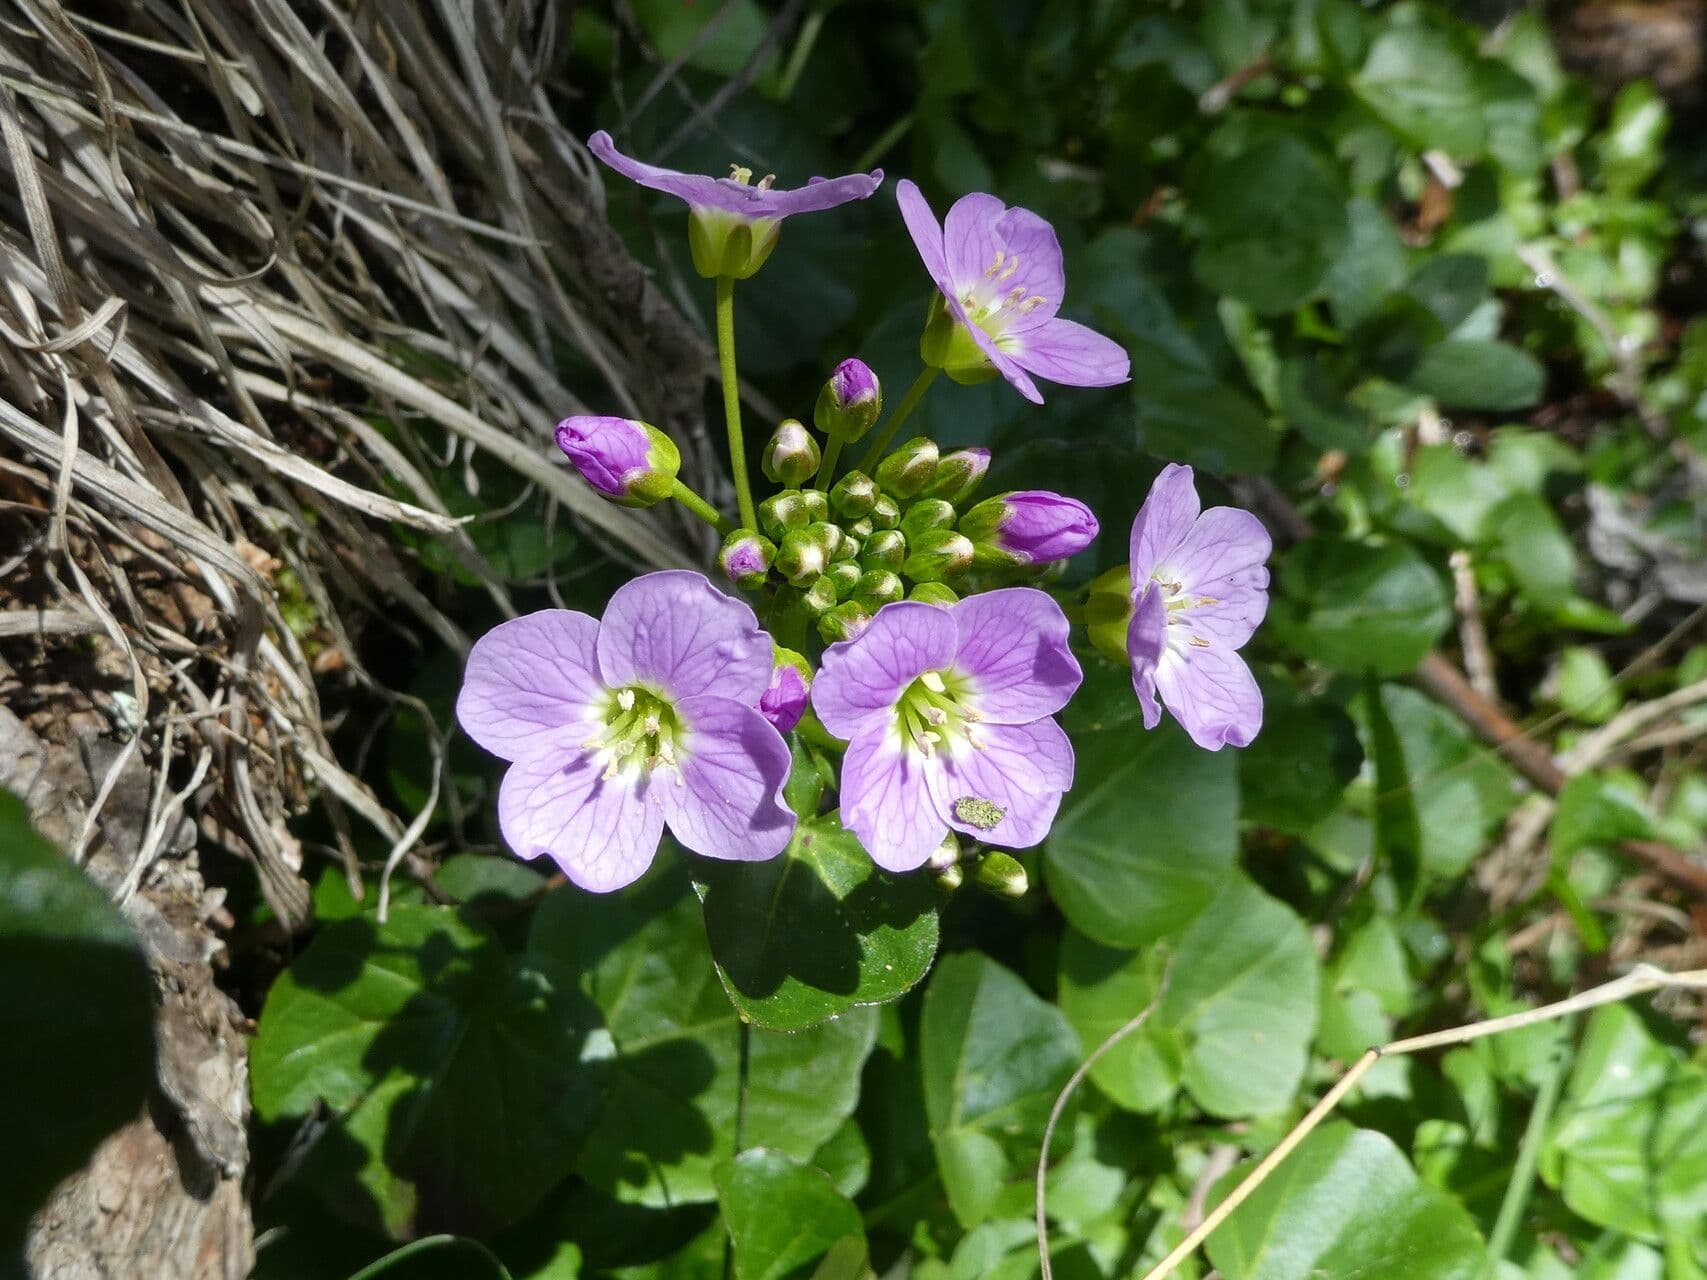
<point>1022,769</point>
<point>728,803</point>
<point>784,702</point>
<point>608,452</point>
<point>528,676</point>
<point>1163,521</point>
<point>748,200</point>
<point>1146,641</point>
<point>1041,526</point>
<point>1224,542</point>
<point>859,680</point>
<point>557,803</point>
<point>1005,364</point>
<point>1067,352</point>
<point>1213,695</point>
<point>1014,650</point>
<point>1002,255</point>
<point>926,232</point>
<point>1241,600</point>
<point>676,632</point>
<point>886,801</point>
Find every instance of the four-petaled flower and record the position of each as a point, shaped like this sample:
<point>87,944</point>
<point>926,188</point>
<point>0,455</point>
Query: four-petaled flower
<point>614,728</point>
<point>1000,273</point>
<point>1199,589</point>
<point>947,716</point>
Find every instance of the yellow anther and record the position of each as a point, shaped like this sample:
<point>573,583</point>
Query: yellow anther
<point>740,174</point>
<point>1032,304</point>
<point>1008,271</point>
<point>1198,642</point>
<point>932,680</point>
<point>625,699</point>
<point>991,270</point>
<point>767,182</point>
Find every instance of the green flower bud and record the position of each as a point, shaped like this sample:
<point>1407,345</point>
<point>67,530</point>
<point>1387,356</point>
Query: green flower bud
<point>939,554</point>
<point>878,587</point>
<point>860,529</point>
<point>845,577</point>
<point>885,513</point>
<point>784,511</point>
<point>946,345</point>
<point>926,514</point>
<point>1108,610</point>
<point>728,244</point>
<point>746,557</point>
<point>850,402</point>
<point>996,872</point>
<point>844,622</point>
<point>958,475</point>
<point>829,536</point>
<point>885,549</point>
<point>801,557</point>
<point>817,504</point>
<point>909,469</point>
<point>853,495</point>
<point>790,456</point>
<point>821,595</point>
<point>936,593</point>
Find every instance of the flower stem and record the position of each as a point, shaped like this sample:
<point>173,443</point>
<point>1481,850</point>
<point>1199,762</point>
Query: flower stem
<point>1529,1151</point>
<point>827,468</point>
<point>732,400</point>
<point>701,508</point>
<point>903,411</point>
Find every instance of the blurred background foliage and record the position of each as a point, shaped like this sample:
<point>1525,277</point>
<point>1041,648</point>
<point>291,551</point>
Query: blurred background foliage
<point>1423,287</point>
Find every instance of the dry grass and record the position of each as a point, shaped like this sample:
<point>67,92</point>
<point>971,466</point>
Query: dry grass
<point>264,267</point>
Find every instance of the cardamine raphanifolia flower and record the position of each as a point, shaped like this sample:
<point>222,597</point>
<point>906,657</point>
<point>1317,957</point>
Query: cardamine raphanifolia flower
<point>629,462</point>
<point>947,715</point>
<point>784,700</point>
<point>1000,274</point>
<point>1199,589</point>
<point>734,222</point>
<point>1032,526</point>
<point>615,728</point>
<point>850,402</point>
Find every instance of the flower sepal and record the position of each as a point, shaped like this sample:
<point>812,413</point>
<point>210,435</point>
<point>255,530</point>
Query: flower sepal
<point>946,344</point>
<point>730,244</point>
<point>1108,610</point>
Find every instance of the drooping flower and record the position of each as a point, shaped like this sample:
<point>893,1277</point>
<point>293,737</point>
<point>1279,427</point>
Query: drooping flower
<point>629,462</point>
<point>735,221</point>
<point>1199,589</point>
<point>1000,273</point>
<point>614,728</point>
<point>947,715</point>
<point>1032,526</point>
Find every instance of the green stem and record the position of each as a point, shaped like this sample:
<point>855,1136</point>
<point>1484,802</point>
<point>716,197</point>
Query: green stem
<point>1529,1151</point>
<point>903,411</point>
<point>732,400</point>
<point>703,509</point>
<point>800,54</point>
<point>827,468</point>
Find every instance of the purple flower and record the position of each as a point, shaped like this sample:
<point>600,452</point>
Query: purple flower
<point>784,701</point>
<point>1001,278</point>
<point>1199,589</point>
<point>1032,526</point>
<point>614,728</point>
<point>947,716</point>
<point>629,462</point>
<point>723,206</point>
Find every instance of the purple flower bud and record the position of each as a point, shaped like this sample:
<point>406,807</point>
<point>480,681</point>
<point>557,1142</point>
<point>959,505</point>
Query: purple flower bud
<point>1033,526</point>
<point>850,402</point>
<point>784,702</point>
<point>629,462</point>
<point>958,475</point>
<point>791,455</point>
<point>746,557</point>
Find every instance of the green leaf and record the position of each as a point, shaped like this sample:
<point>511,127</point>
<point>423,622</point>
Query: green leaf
<point>1346,1203</point>
<point>1479,373</point>
<point>1360,607</point>
<point>1450,286</point>
<point>810,935</point>
<point>1628,1148</point>
<point>1596,810</point>
<point>781,1214</point>
<point>671,1048</point>
<point>1536,549</point>
<point>453,1071</point>
<point>1421,84</point>
<point>1234,1025</point>
<point>437,1258</point>
<point>1145,837</point>
<point>993,1056</point>
<point>1295,772</point>
<point>78,1002</point>
<point>1274,219</point>
<point>1398,833</point>
<point>1369,268</point>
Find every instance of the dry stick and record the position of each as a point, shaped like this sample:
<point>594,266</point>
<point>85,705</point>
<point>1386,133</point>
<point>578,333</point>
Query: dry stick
<point>1061,1100</point>
<point>1638,981</point>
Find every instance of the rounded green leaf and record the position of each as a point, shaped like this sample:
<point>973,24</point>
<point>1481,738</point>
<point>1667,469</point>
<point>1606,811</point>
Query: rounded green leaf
<point>1346,1203</point>
<point>453,1072</point>
<point>1235,1024</point>
<point>1145,837</point>
<point>78,1002</point>
<point>808,936</point>
<point>781,1214</point>
<point>1356,606</point>
<point>1295,772</point>
<point>994,1056</point>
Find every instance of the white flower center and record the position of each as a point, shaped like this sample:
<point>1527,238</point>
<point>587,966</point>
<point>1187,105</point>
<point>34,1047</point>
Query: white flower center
<point>1180,603</point>
<point>991,307</point>
<point>933,713</point>
<point>641,731</point>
